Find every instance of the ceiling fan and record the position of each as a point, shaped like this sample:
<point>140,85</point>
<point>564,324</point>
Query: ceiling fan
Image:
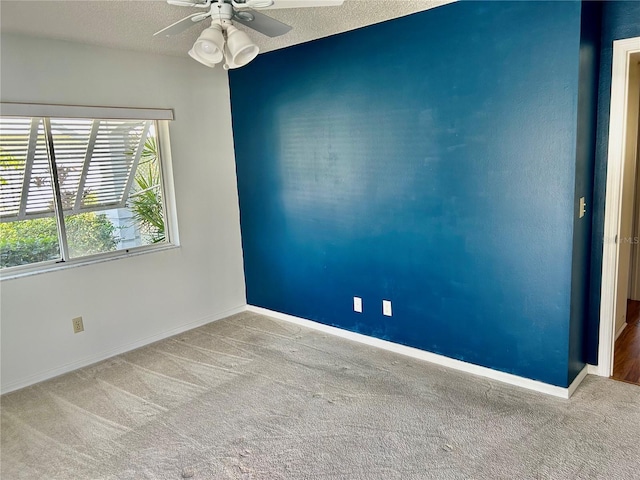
<point>222,41</point>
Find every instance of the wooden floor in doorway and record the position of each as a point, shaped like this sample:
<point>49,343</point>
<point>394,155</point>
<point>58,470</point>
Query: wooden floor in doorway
<point>626,357</point>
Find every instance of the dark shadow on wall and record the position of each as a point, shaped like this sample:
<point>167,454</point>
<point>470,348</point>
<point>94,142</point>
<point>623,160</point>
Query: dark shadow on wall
<point>585,157</point>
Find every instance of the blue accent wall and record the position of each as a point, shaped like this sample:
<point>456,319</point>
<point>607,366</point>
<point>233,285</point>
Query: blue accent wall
<point>429,160</point>
<point>619,20</point>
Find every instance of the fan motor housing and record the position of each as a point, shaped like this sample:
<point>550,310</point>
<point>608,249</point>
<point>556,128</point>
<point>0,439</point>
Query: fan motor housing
<point>221,11</point>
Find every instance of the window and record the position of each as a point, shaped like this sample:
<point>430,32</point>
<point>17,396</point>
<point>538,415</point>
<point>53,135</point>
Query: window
<point>74,187</point>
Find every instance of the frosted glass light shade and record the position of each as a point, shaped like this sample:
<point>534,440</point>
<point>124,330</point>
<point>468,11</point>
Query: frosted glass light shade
<point>209,47</point>
<point>240,49</point>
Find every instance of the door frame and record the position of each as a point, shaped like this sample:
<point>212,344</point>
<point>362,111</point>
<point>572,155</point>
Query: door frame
<point>622,51</point>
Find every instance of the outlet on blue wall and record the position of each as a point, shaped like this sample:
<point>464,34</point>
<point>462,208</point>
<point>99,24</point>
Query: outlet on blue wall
<point>429,160</point>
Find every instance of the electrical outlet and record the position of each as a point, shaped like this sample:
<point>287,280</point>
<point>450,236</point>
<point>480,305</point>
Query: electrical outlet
<point>78,326</point>
<point>386,308</point>
<point>357,304</point>
<point>583,207</point>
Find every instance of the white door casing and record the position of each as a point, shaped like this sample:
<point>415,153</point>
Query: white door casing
<point>614,229</point>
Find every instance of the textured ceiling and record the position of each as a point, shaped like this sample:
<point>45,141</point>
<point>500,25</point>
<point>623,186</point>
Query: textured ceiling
<point>130,24</point>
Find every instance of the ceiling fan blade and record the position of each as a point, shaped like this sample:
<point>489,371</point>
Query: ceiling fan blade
<point>261,23</point>
<point>182,25</point>
<point>304,3</point>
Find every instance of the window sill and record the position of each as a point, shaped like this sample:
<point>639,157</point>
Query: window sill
<point>47,267</point>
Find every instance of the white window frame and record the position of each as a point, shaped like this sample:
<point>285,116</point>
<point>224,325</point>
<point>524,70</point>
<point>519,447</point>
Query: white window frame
<point>161,117</point>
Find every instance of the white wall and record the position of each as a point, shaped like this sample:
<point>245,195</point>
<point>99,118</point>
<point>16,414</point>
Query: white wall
<point>633,126</point>
<point>130,301</point>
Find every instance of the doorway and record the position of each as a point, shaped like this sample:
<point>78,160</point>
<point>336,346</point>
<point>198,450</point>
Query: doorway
<point>621,255</point>
<point>626,351</point>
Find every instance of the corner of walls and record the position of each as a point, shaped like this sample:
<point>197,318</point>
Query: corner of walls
<point>590,24</point>
<point>620,19</point>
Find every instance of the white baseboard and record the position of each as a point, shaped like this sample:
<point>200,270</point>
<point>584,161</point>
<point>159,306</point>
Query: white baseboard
<point>620,330</point>
<point>430,357</point>
<point>357,337</point>
<point>593,369</point>
<point>577,381</point>
<point>54,372</point>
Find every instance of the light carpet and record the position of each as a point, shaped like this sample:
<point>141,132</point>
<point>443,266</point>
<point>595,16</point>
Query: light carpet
<point>250,397</point>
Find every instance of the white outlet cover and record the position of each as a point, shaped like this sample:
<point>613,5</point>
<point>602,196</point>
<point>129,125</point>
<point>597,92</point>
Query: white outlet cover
<point>583,207</point>
<point>78,325</point>
<point>386,308</point>
<point>357,304</point>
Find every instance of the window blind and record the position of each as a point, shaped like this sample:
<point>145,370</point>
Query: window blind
<point>96,162</point>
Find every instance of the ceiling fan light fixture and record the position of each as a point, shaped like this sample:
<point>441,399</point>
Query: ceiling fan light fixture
<point>209,46</point>
<point>228,62</point>
<point>198,58</point>
<point>240,49</point>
